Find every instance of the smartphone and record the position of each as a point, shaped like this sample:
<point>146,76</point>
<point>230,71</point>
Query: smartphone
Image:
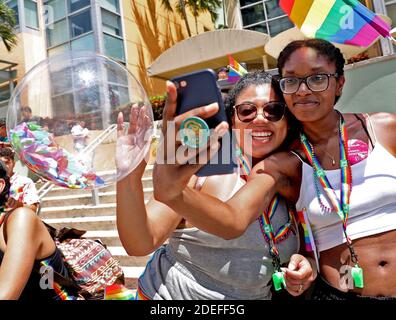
<point>198,89</point>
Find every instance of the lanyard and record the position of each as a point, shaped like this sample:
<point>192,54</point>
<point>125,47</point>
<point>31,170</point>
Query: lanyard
<point>340,206</point>
<point>266,227</point>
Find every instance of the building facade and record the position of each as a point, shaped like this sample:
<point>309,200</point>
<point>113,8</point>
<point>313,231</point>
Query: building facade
<point>133,33</point>
<point>266,16</point>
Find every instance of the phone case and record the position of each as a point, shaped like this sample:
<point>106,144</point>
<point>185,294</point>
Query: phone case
<point>198,89</point>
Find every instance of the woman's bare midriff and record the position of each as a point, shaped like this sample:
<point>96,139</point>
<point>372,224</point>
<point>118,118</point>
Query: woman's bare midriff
<point>377,258</point>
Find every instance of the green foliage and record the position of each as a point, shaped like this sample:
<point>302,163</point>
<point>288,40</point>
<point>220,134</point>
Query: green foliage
<point>7,24</point>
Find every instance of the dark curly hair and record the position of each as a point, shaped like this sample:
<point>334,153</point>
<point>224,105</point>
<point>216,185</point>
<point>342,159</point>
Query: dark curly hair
<point>322,47</point>
<point>257,78</point>
<point>7,152</point>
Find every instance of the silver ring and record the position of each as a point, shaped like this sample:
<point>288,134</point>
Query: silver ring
<point>300,288</point>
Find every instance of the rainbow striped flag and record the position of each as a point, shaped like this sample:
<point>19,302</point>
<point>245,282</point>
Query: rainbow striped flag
<point>340,21</point>
<point>235,70</point>
<point>118,292</point>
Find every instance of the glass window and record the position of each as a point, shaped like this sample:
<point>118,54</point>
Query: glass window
<point>89,99</point>
<point>391,13</point>
<point>14,6</point>
<point>111,5</point>
<point>55,10</point>
<point>253,14</point>
<point>279,25</point>
<point>58,49</point>
<point>262,27</point>
<point>86,43</point>
<point>114,76</point>
<point>111,23</point>
<point>114,47</point>
<point>273,9</point>
<point>31,16</point>
<point>80,23</point>
<point>63,105</point>
<point>5,93</point>
<point>74,5</point>
<point>247,2</point>
<point>57,33</point>
<point>118,95</point>
<point>61,81</point>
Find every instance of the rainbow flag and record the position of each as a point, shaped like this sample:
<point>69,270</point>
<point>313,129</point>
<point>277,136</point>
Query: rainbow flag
<point>118,292</point>
<point>340,21</point>
<point>235,70</point>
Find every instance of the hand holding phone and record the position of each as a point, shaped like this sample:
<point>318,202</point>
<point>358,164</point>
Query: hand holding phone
<point>198,89</point>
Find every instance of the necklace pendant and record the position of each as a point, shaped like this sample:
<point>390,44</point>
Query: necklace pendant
<point>279,280</point>
<point>357,275</point>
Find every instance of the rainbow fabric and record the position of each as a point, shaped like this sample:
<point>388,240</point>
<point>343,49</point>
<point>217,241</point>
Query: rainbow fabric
<point>341,21</point>
<point>118,292</point>
<point>235,70</point>
<point>307,239</point>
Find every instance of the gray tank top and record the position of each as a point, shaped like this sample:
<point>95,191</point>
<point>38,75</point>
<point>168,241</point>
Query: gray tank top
<point>196,265</point>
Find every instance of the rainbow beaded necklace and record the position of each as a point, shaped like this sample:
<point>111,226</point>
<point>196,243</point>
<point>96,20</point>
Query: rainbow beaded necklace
<point>340,206</point>
<point>266,227</point>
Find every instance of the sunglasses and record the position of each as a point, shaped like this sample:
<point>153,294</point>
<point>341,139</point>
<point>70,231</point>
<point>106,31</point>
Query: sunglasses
<point>272,111</point>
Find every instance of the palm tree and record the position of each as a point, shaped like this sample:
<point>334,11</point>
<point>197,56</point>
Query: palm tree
<point>204,6</point>
<point>7,23</point>
<point>181,10</point>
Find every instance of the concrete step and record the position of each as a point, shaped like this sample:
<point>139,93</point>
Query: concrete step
<point>84,223</point>
<point>84,198</point>
<point>108,237</point>
<point>60,191</point>
<point>78,211</point>
<point>75,211</point>
<point>125,260</point>
<point>77,199</point>
<point>132,275</point>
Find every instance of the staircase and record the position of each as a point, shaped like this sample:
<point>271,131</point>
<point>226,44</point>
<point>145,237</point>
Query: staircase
<point>62,207</point>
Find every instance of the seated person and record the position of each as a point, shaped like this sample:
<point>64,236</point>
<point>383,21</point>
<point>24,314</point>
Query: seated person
<point>26,249</point>
<point>23,191</point>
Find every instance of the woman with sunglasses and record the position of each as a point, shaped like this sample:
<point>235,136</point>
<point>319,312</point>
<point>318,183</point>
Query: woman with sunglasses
<point>195,264</point>
<point>340,175</point>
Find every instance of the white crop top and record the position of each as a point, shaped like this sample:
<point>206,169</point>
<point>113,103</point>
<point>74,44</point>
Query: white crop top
<point>372,203</point>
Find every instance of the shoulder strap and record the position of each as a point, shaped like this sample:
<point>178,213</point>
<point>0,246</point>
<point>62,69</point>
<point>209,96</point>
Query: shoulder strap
<point>365,128</point>
<point>371,128</point>
<point>297,154</point>
<point>199,183</point>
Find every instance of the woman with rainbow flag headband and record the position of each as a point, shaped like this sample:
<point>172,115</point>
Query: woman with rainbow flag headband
<point>27,252</point>
<point>195,264</point>
<point>341,174</point>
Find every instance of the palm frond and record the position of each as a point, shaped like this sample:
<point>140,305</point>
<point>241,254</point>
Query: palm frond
<point>7,24</point>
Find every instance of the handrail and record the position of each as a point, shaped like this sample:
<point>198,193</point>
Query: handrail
<point>99,139</point>
<point>94,143</point>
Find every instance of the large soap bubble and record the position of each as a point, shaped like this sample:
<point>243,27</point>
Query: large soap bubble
<point>62,119</point>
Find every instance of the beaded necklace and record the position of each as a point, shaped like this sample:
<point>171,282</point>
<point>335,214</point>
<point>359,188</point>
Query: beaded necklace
<point>340,206</point>
<point>266,227</point>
